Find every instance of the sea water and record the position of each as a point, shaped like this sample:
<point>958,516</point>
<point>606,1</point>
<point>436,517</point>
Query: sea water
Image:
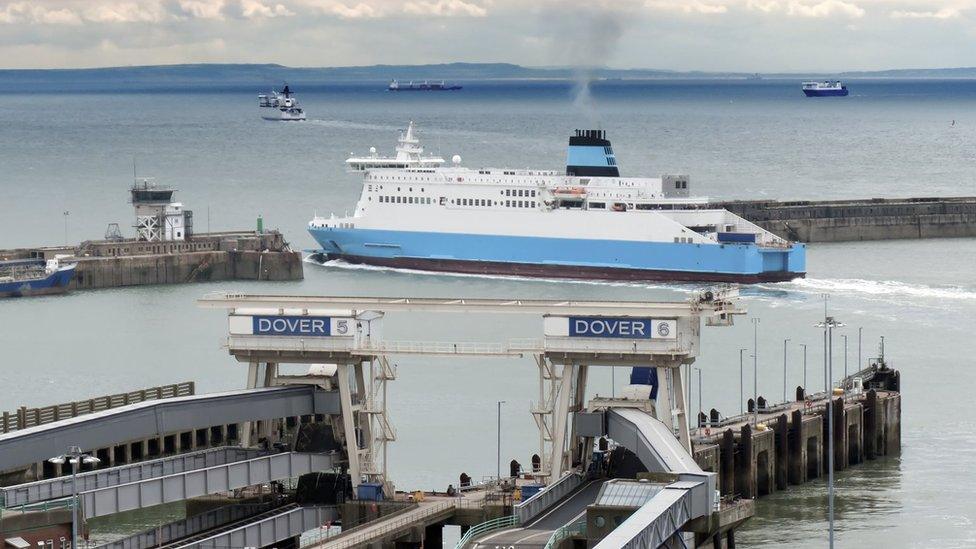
<point>69,152</point>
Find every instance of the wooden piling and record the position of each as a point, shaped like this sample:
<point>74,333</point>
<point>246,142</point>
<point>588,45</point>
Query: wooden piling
<point>727,462</point>
<point>745,466</point>
<point>782,452</point>
<point>796,473</point>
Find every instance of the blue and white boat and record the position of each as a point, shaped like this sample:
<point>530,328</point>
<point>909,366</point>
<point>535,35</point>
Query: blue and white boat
<point>829,88</point>
<point>585,222</point>
<point>28,277</point>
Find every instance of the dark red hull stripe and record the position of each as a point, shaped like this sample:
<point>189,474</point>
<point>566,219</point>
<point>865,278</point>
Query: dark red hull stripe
<point>563,271</point>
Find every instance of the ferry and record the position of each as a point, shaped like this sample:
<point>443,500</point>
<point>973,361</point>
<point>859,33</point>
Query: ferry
<point>586,222</point>
<point>426,85</point>
<point>28,277</point>
<point>830,88</point>
<point>280,106</point>
<point>408,154</point>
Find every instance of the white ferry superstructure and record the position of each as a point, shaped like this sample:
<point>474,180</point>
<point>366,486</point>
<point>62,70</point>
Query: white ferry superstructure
<point>409,154</point>
<point>586,222</point>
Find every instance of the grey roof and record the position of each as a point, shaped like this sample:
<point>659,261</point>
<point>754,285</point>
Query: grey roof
<point>619,493</point>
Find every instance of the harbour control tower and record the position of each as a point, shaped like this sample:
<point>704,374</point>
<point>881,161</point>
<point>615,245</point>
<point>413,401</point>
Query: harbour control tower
<point>158,217</point>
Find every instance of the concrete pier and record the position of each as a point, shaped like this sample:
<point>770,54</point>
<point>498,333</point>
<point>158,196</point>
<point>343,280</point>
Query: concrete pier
<point>861,219</point>
<point>201,258</point>
<point>788,446</point>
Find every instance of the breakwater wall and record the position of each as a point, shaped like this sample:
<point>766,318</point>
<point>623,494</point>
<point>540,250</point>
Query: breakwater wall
<point>788,445</point>
<point>203,257</point>
<point>867,219</point>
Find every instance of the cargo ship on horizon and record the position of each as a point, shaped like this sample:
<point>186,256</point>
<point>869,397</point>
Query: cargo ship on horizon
<point>829,88</point>
<point>426,85</point>
<point>587,222</point>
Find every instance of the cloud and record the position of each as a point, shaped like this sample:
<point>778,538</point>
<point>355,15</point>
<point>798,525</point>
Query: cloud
<point>747,35</point>
<point>340,9</point>
<point>252,9</point>
<point>825,8</point>
<point>28,12</point>
<point>687,6</point>
<point>123,12</point>
<point>944,13</point>
<point>445,8</point>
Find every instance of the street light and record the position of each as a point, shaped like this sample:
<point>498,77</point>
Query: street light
<point>75,457</point>
<point>742,404</point>
<point>699,395</point>
<point>804,345</point>
<point>785,341</point>
<point>828,325</point>
<point>860,364</point>
<point>755,371</point>
<point>499,464</point>
<point>845,361</point>
<point>66,213</point>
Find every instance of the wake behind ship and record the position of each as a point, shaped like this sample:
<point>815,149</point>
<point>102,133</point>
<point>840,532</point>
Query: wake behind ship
<point>587,223</point>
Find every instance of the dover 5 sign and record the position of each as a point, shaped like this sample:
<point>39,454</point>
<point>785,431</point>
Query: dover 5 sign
<point>610,327</point>
<point>292,326</point>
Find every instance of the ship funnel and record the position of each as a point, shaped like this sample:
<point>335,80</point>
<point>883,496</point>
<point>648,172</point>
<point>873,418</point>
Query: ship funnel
<point>590,154</point>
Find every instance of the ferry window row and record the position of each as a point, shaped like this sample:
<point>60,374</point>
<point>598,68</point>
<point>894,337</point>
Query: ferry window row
<point>405,199</point>
<point>483,202</point>
<point>683,239</point>
<point>472,202</point>
<point>520,192</point>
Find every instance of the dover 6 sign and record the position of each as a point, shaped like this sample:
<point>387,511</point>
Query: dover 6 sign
<point>611,327</point>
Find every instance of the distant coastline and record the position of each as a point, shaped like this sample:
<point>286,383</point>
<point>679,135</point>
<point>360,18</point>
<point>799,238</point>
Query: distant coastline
<point>258,75</point>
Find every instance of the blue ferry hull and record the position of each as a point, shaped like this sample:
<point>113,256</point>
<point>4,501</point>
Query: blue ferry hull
<point>826,93</point>
<point>563,257</point>
<point>55,283</point>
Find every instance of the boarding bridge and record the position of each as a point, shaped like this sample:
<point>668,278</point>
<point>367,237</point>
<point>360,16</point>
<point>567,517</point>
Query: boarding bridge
<point>156,418</point>
<point>692,495</point>
<point>576,335</point>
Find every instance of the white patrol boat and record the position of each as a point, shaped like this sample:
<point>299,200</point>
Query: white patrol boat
<point>409,154</point>
<point>280,106</point>
<point>584,222</point>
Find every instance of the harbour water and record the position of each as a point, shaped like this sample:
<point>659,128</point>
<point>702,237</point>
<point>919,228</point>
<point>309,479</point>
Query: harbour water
<point>59,152</point>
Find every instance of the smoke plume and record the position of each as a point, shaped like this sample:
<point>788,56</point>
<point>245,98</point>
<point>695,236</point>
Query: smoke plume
<point>584,39</point>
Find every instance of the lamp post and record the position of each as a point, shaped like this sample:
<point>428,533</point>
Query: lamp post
<point>828,325</point>
<point>76,458</point>
<point>755,371</point>
<point>804,345</point>
<point>845,361</point>
<point>742,403</point>
<point>699,394</point>
<point>66,213</point>
<point>860,365</point>
<point>499,463</point>
<point>785,341</point>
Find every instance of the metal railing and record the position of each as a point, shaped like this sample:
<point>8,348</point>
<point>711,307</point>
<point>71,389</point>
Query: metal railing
<point>436,348</point>
<point>577,528</point>
<point>535,505</point>
<point>384,528</point>
<point>587,345</point>
<point>303,344</point>
<point>485,527</point>
<point>31,417</point>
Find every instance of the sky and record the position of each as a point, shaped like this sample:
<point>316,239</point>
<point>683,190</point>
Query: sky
<point>712,35</point>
